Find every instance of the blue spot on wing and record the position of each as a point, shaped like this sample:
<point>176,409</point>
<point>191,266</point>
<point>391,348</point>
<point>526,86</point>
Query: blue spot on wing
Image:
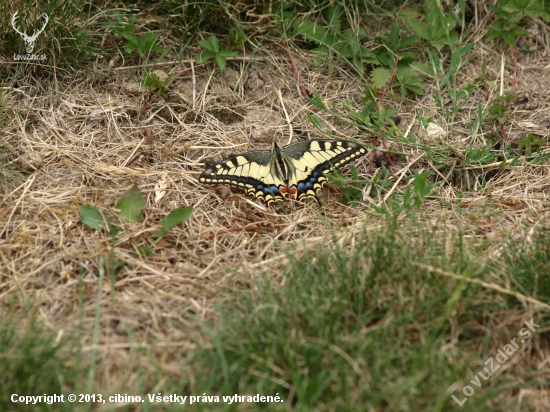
<point>309,182</point>
<point>273,190</point>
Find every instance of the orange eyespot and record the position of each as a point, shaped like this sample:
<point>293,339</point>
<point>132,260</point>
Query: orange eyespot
<point>293,190</point>
<point>282,189</point>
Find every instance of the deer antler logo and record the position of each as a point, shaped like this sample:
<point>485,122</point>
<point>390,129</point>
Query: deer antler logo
<point>29,40</point>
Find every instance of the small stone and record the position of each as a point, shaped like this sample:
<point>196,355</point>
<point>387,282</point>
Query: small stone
<point>262,134</point>
<point>132,88</point>
<point>162,75</point>
<point>31,161</point>
<point>224,191</point>
<point>434,130</point>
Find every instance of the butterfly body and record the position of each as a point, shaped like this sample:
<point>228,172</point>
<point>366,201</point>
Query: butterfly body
<point>297,169</point>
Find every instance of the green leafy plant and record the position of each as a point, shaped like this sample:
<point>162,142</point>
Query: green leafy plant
<point>212,45</point>
<point>412,199</point>
<point>122,25</point>
<point>348,45</point>
<point>484,81</point>
<point>393,59</point>
<point>499,110</point>
<point>438,30</point>
<point>236,38</point>
<point>131,204</point>
<point>153,82</point>
<point>510,16</point>
<point>529,142</point>
<point>374,115</point>
<point>459,59</point>
<point>373,118</point>
<point>445,68</point>
<point>143,44</point>
<point>174,218</point>
<point>476,156</point>
<point>480,118</point>
<point>395,63</point>
<point>332,40</point>
<point>93,218</point>
<point>351,188</point>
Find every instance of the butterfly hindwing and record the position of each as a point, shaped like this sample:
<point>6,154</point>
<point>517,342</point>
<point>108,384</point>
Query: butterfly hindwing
<point>298,169</point>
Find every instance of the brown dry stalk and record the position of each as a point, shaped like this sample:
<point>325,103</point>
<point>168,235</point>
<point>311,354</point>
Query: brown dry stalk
<point>390,81</point>
<point>253,228</point>
<point>514,72</point>
<point>505,135</point>
<point>486,285</point>
<point>303,89</point>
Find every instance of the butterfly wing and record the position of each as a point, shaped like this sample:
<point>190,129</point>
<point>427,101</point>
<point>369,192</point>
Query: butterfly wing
<point>251,171</point>
<point>311,159</point>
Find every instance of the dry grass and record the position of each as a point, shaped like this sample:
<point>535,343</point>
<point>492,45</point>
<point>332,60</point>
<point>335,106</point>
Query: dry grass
<point>76,135</point>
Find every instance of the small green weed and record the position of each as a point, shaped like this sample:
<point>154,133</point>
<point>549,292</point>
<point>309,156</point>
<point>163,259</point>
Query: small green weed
<point>393,52</point>
<point>347,45</point>
<point>511,15</point>
<point>351,188</point>
<point>122,25</point>
<point>530,142</point>
<point>438,30</point>
<point>476,156</point>
<point>143,44</point>
<point>412,199</point>
<point>446,68</point>
<point>131,204</point>
<point>499,109</point>
<point>153,83</point>
<point>212,45</point>
<point>478,122</point>
<point>332,39</point>
<point>236,38</point>
<point>174,218</point>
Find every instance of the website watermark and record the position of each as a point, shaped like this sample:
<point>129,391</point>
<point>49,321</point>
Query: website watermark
<point>30,41</point>
<point>40,57</point>
<point>503,355</point>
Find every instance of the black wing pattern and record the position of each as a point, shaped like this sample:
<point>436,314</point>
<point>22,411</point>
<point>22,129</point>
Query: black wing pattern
<point>297,169</point>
